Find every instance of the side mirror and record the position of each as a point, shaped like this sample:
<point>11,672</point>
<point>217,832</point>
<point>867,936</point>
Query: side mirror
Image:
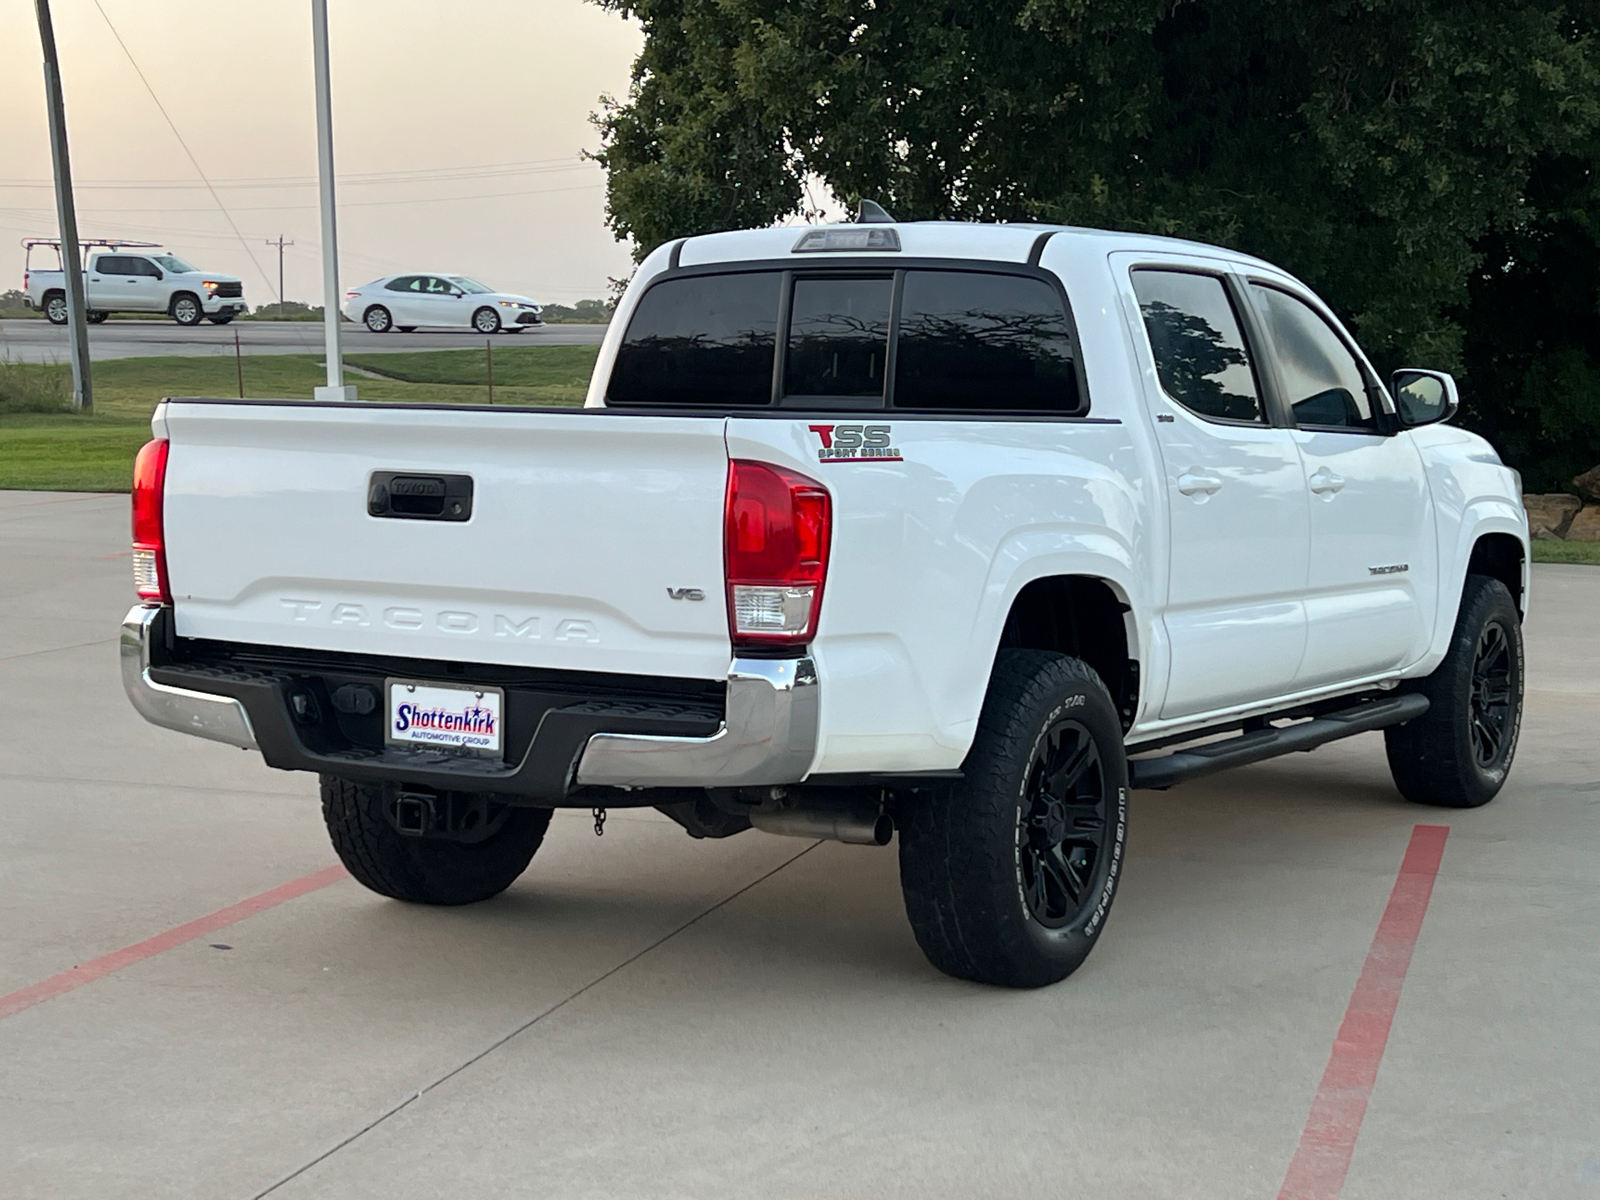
<point>1424,397</point>
<point>159,275</point>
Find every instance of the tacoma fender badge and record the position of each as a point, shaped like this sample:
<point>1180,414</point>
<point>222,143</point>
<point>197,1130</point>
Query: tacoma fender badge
<point>686,593</point>
<point>1392,569</point>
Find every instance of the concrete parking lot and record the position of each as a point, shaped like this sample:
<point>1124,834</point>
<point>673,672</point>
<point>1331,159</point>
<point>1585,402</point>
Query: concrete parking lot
<point>643,1015</point>
<point>39,341</point>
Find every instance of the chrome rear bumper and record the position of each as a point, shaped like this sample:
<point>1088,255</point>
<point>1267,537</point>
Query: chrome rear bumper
<point>768,733</point>
<point>219,718</point>
<point>769,736</point>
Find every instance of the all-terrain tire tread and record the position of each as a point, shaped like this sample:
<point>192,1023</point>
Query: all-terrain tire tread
<point>954,862</point>
<point>1426,756</point>
<point>381,859</point>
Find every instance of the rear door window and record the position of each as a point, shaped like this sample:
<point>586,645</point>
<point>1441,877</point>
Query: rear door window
<point>984,342</point>
<point>112,264</point>
<point>1199,351</point>
<point>706,340</point>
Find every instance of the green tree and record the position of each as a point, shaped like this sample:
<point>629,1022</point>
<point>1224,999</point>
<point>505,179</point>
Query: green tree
<point>1421,163</point>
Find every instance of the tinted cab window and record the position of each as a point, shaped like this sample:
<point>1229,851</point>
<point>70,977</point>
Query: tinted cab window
<point>967,340</point>
<point>1199,351</point>
<point>980,341</point>
<point>1322,380</point>
<point>704,340</point>
<point>838,337</point>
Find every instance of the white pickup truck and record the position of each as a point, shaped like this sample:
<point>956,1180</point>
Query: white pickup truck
<point>142,281</point>
<point>952,530</point>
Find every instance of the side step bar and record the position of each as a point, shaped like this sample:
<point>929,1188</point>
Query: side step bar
<point>1262,744</point>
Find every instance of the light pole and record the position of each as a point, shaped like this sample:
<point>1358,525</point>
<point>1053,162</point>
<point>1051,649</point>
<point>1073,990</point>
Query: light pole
<point>71,259</point>
<point>280,244</point>
<point>336,389</point>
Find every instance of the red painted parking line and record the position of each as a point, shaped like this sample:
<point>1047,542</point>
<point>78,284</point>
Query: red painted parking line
<point>99,968</point>
<point>1322,1160</point>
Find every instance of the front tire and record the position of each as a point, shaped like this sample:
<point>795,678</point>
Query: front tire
<point>425,870</point>
<point>186,310</point>
<point>98,318</point>
<point>486,320</point>
<point>1009,874</point>
<point>55,308</point>
<point>377,319</point>
<point>1459,752</point>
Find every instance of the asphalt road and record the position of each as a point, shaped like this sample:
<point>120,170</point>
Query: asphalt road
<point>39,341</point>
<point>644,1015</point>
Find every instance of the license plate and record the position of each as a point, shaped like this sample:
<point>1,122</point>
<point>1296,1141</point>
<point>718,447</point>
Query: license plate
<point>445,717</point>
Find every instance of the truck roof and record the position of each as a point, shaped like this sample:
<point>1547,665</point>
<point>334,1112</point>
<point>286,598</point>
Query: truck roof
<point>933,239</point>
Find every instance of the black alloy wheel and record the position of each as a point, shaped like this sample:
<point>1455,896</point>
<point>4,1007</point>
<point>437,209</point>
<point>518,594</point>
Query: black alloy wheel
<point>377,319</point>
<point>1491,695</point>
<point>1062,833</point>
<point>1008,874</point>
<point>1458,753</point>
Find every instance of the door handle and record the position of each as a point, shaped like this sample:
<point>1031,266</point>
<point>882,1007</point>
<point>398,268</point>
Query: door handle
<point>1191,482</point>
<point>1324,482</point>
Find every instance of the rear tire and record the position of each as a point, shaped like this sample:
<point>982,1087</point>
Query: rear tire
<point>424,870</point>
<point>408,328</point>
<point>377,319</point>
<point>1009,874</point>
<point>1458,753</point>
<point>185,309</point>
<point>222,320</point>
<point>486,320</point>
<point>55,308</point>
<point>98,318</point>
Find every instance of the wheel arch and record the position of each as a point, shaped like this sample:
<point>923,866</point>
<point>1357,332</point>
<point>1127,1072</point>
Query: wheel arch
<point>1501,556</point>
<point>1085,616</point>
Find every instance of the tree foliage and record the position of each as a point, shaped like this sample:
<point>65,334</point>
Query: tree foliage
<point>1429,166</point>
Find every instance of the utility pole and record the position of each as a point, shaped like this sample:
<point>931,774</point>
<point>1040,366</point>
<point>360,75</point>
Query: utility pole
<point>280,244</point>
<point>71,258</point>
<point>336,389</point>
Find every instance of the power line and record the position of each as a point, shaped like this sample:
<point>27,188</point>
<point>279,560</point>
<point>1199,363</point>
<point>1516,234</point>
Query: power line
<point>195,161</point>
<point>275,182</point>
<point>244,208</point>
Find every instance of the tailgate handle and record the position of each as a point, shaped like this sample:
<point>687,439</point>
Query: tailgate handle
<point>411,496</point>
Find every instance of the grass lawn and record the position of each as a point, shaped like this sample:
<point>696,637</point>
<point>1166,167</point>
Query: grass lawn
<point>63,452</point>
<point>1550,551</point>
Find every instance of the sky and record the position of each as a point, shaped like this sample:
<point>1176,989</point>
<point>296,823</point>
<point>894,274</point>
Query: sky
<point>458,128</point>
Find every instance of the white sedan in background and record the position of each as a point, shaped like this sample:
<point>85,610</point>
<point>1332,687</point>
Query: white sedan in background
<point>407,302</point>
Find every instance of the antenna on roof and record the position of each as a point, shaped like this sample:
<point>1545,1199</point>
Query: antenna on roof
<point>869,212</point>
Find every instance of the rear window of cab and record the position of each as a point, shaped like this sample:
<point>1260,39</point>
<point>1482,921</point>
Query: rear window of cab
<point>917,340</point>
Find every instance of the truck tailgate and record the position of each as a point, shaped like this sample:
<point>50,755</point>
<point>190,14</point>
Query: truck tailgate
<point>589,535</point>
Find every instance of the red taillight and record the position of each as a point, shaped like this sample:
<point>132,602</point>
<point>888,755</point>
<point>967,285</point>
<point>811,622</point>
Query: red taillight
<point>777,526</point>
<point>149,542</point>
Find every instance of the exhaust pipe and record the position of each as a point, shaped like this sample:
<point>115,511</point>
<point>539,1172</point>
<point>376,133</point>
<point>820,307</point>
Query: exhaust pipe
<point>859,820</point>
